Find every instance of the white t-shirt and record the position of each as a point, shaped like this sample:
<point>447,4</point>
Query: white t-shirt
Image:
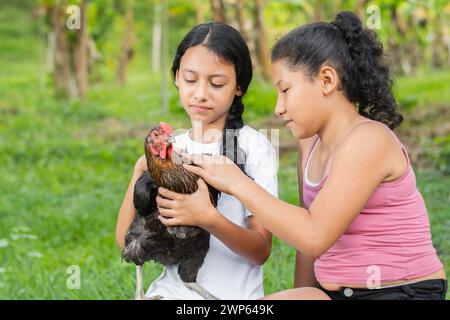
<point>224,273</point>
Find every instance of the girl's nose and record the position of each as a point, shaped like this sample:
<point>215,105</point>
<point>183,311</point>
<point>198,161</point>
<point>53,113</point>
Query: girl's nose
<point>201,92</point>
<point>279,109</point>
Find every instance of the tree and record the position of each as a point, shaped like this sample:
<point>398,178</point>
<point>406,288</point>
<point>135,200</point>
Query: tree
<point>164,61</point>
<point>63,81</point>
<point>81,53</point>
<point>219,10</point>
<point>156,37</point>
<point>69,48</point>
<point>260,38</point>
<point>127,44</point>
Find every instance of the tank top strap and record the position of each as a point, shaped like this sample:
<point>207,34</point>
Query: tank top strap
<point>310,152</point>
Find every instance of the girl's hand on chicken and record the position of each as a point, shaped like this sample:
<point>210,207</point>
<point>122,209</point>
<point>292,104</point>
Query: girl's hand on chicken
<point>218,171</point>
<point>186,209</point>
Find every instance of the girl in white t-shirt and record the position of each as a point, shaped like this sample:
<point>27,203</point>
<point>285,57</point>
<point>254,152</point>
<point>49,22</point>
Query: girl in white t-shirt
<point>212,71</point>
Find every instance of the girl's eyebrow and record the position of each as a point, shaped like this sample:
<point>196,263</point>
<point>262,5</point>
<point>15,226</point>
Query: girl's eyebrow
<point>222,75</point>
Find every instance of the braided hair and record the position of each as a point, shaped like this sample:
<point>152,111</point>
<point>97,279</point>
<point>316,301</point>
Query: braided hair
<point>357,56</point>
<point>227,43</point>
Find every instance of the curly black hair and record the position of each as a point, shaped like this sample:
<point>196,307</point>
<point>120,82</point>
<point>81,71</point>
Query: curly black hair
<point>228,44</point>
<point>357,56</point>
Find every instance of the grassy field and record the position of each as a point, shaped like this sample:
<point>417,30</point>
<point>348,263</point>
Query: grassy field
<point>64,168</point>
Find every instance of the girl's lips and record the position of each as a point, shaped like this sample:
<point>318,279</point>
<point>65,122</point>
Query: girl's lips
<point>200,108</point>
<point>287,122</point>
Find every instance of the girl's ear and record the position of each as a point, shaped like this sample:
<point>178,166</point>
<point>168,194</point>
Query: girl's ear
<point>329,79</point>
<point>177,80</point>
<point>239,91</point>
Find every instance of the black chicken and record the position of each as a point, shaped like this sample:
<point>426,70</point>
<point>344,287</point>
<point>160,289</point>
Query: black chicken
<point>147,238</point>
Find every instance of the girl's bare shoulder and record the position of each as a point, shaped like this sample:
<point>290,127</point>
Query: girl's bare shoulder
<point>374,144</point>
<point>370,135</point>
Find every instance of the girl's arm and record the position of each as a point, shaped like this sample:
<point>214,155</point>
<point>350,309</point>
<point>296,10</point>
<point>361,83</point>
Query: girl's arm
<point>358,167</point>
<point>127,211</point>
<point>253,243</point>
<point>304,265</point>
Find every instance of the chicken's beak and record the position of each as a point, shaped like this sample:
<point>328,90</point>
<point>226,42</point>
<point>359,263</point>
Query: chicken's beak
<point>149,140</point>
<point>170,139</point>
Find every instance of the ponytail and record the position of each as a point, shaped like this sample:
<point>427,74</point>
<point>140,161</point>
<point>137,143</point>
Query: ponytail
<point>357,56</point>
<point>367,80</point>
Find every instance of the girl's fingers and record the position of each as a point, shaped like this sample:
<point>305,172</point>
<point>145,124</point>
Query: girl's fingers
<point>167,222</point>
<point>165,203</point>
<point>168,194</point>
<point>194,169</point>
<point>177,150</point>
<point>197,159</point>
<point>166,213</point>
<point>186,156</point>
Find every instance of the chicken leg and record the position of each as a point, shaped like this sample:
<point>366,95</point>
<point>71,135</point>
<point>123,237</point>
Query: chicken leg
<point>194,286</point>
<point>139,294</point>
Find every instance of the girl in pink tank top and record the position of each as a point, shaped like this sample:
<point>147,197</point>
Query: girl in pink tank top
<point>362,231</point>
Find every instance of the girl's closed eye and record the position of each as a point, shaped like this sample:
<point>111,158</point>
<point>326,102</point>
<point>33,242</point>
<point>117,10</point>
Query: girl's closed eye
<point>218,85</point>
<point>189,80</point>
<point>214,85</point>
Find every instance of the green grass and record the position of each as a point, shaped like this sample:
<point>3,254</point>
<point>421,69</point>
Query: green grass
<point>65,166</point>
<point>427,90</point>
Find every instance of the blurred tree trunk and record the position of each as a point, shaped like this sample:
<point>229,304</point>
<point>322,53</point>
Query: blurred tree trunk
<point>201,12</point>
<point>240,16</point>
<point>156,38</point>
<point>446,42</point>
<point>396,51</point>
<point>218,10</point>
<point>94,56</point>
<point>239,6</point>
<point>260,38</point>
<point>60,53</point>
<point>319,11</point>
<point>117,4</point>
<point>81,51</point>
<point>360,9</point>
<point>438,47</point>
<point>128,43</point>
<point>243,29</point>
<point>164,59</point>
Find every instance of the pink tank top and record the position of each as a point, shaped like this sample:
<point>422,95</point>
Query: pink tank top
<point>390,239</point>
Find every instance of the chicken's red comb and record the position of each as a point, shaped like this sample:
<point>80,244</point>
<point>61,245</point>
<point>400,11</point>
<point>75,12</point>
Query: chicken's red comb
<point>166,127</point>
